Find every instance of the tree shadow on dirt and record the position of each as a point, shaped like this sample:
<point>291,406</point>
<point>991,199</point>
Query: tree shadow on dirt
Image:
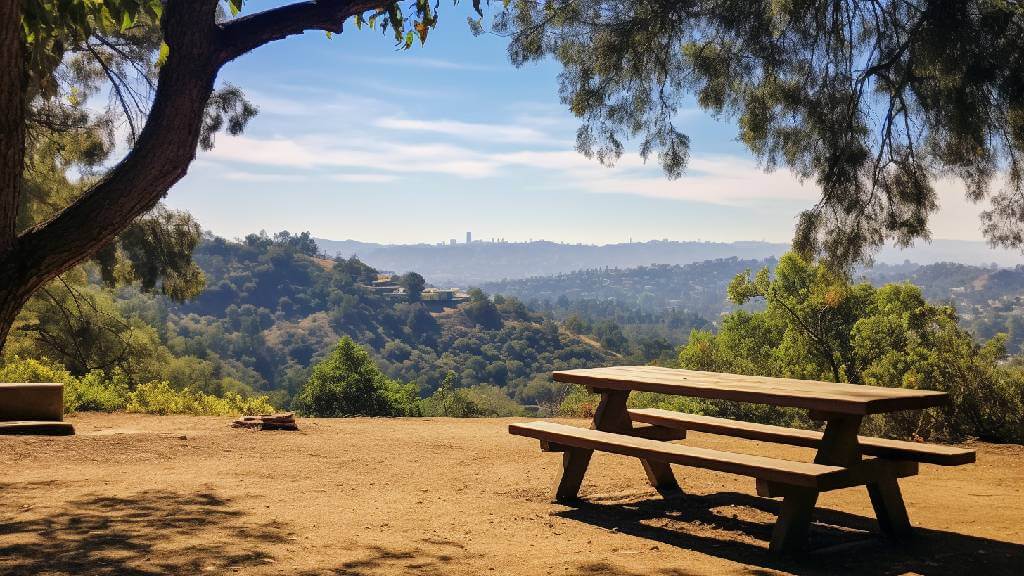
<point>142,534</point>
<point>390,560</point>
<point>840,543</point>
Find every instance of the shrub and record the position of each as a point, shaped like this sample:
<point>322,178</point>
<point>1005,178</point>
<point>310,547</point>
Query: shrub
<point>481,400</point>
<point>349,383</point>
<point>101,392</point>
<point>158,397</point>
<point>90,392</point>
<point>94,392</point>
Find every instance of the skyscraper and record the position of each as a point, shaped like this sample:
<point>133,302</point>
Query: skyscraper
<point>469,237</point>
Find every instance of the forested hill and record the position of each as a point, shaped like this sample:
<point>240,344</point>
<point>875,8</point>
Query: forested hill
<point>273,307</point>
<point>988,299</point>
<point>698,287</point>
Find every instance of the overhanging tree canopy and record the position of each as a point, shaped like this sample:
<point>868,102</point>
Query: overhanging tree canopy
<point>873,100</point>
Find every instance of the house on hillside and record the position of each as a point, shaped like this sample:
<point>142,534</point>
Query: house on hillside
<point>437,299</point>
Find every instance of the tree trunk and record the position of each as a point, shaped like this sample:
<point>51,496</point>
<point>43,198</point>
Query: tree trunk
<point>12,121</point>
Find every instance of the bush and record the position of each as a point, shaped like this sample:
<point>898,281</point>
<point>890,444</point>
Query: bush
<point>100,392</point>
<point>90,392</point>
<point>481,400</point>
<point>349,383</point>
<point>93,392</point>
<point>158,397</point>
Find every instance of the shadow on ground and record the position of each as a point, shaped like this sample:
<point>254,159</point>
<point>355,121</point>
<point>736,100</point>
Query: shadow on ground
<point>840,543</point>
<point>142,534</point>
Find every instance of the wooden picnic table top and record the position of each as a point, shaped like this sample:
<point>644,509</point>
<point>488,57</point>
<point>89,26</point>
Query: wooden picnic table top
<point>828,397</point>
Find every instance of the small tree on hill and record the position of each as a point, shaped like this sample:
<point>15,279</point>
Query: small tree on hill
<point>481,311</point>
<point>414,285</point>
<point>349,383</point>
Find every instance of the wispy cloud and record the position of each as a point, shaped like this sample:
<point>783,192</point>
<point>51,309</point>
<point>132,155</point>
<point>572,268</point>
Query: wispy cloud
<point>721,180</point>
<point>467,130</point>
<point>405,59</point>
<point>313,153</point>
<point>364,177</point>
<point>242,176</point>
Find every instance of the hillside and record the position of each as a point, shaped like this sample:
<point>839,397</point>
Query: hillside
<point>698,287</point>
<point>271,310</point>
<point>989,300</point>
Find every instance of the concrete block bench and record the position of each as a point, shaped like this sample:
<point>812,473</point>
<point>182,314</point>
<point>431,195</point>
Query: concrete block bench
<point>31,408</point>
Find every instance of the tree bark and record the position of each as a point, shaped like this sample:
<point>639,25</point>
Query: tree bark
<point>199,46</point>
<point>12,121</point>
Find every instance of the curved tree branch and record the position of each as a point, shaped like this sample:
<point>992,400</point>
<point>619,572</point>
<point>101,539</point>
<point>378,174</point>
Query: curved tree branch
<point>241,35</point>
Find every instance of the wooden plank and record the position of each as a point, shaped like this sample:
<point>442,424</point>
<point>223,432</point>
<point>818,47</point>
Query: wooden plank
<point>871,446</point>
<point>611,416</point>
<point>860,474</point>
<point>809,394</point>
<point>662,433</point>
<point>783,471</point>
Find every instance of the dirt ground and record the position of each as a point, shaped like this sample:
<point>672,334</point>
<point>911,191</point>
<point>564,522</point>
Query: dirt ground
<point>144,495</point>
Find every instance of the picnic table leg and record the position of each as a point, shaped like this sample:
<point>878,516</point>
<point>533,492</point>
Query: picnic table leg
<point>574,467</point>
<point>890,510</point>
<point>838,447</point>
<point>610,416</point>
<point>613,416</point>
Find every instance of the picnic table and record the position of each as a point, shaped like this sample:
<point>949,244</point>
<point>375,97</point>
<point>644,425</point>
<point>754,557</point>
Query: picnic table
<point>844,458</point>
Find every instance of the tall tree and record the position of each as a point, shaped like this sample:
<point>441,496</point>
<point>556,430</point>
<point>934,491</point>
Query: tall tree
<point>873,100</point>
<point>35,38</point>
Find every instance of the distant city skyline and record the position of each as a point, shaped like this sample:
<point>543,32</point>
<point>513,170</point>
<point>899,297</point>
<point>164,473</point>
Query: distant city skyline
<point>358,140</point>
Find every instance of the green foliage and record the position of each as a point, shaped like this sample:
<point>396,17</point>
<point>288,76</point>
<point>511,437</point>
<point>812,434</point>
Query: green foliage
<point>477,401</point>
<point>94,392</point>
<point>158,397</point>
<point>817,325</point>
<point>98,391</point>
<point>413,284</point>
<point>481,310</point>
<point>348,383</point>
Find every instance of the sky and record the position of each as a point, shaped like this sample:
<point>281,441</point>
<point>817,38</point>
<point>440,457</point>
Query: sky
<point>358,140</point>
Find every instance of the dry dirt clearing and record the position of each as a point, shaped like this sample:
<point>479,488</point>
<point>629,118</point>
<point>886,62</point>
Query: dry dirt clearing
<point>140,495</point>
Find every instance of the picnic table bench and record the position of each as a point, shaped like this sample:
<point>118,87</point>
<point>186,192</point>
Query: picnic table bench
<point>844,459</point>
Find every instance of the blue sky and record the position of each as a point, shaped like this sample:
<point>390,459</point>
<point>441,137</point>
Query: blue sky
<point>358,140</point>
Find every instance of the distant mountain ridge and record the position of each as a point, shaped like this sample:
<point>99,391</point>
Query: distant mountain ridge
<point>471,264</point>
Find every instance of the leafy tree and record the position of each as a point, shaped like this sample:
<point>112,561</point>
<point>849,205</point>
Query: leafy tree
<point>872,100</point>
<point>481,310</point>
<point>413,284</point>
<point>817,306</point>
<point>348,383</point>
<point>302,243</point>
<point>820,326</point>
